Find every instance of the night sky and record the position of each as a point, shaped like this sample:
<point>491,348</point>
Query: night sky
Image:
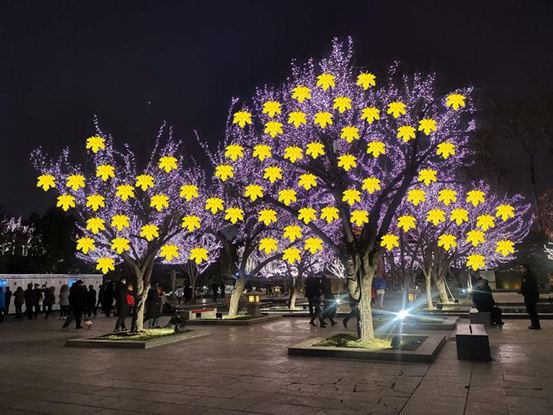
<point>137,63</point>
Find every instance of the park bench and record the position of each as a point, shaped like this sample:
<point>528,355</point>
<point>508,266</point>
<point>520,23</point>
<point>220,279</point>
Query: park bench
<point>202,313</point>
<point>480,317</point>
<point>472,342</point>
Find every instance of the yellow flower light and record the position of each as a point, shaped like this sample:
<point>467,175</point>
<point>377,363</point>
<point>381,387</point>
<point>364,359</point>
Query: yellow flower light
<point>436,216</point>
<point>242,118</point>
<point>351,196</point>
<point>342,104</point>
<point>159,202</point>
<point>291,255</point>
<point>95,202</point>
<point>447,241</point>
<point>359,217</point>
<point>485,222</point>
<point>406,133</point>
<point>475,237</point>
<point>459,216</point>
<point>505,247</point>
<point>234,151</point>
<point>446,196</point>
<point>120,222</point>
<point>271,108</point>
<point>326,81</point>
<point>170,251</point>
<point>330,214</point>
<point>189,191</point>
<point>315,150</point>
<point>262,151</point>
<point>191,222</point>
<point>307,215</point>
<point>396,108</point>
<point>75,182</point>
<point>455,101</point>
<point>307,181</point>
<point>371,184</point>
<point>268,245</point>
<point>301,93</point>
<point>505,212</point>
<point>105,171</point>
<point>214,204</point>
<point>349,134</point>
<point>366,80</point>
<point>234,214</point>
<point>376,148</point>
<point>313,245</point>
<point>292,233</point>
<point>427,176</point>
<point>144,181</point>
<point>416,196</point>
<point>347,161</point>
<point>254,192</point>
<point>198,255</point>
<point>273,128</point>
<point>293,153</point>
<point>323,119</point>
<point>124,191</point>
<point>95,225</point>
<point>389,241</point>
<point>267,216</point>
<point>297,118</point>
<point>224,171</point>
<point>273,173</point>
<point>475,197</point>
<point>168,163</point>
<point>149,232</point>
<point>370,114</point>
<point>427,125</point>
<point>65,202</point>
<point>120,245</point>
<point>445,150</point>
<point>95,143</point>
<point>105,265</point>
<point>406,222</point>
<point>46,181</point>
<point>476,261</point>
<point>287,196</point>
<point>85,245</point>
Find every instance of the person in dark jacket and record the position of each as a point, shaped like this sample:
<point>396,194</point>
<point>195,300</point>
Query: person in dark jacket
<point>30,298</point>
<point>101,292</point>
<point>39,295</point>
<point>49,301</point>
<point>314,292</point>
<point>107,299</point>
<point>122,305</point>
<point>77,304</point>
<point>482,300</point>
<point>222,287</point>
<point>91,301</point>
<point>214,288</point>
<point>529,288</point>
<point>330,304</point>
<point>18,301</point>
<point>153,306</point>
<point>8,299</point>
<point>2,304</point>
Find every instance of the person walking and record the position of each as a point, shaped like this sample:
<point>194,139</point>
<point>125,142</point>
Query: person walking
<point>214,288</point>
<point>222,287</point>
<point>49,300</point>
<point>8,299</point>
<point>18,301</point>
<point>91,301</point>
<point>354,310</point>
<point>316,300</point>
<point>64,301</point>
<point>2,304</point>
<point>77,304</point>
<point>529,288</point>
<point>30,297</point>
<point>179,292</point>
<point>122,306</point>
<point>330,304</point>
<point>101,291</point>
<point>380,288</point>
<point>269,289</point>
<point>310,294</point>
<point>153,306</point>
<point>107,300</point>
<point>38,300</point>
<point>482,300</point>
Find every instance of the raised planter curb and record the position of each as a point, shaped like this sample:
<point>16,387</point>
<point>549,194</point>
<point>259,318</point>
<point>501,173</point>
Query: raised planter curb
<point>231,322</point>
<point>450,323</point>
<point>133,344</point>
<point>425,353</point>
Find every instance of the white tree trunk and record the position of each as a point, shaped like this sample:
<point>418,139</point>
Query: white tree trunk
<point>428,276</point>
<point>440,284</point>
<point>236,295</point>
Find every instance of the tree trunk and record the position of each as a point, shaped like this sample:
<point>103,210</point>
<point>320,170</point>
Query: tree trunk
<point>440,285</point>
<point>236,295</point>
<point>365,311</point>
<point>293,294</point>
<point>141,285</point>
<point>428,276</point>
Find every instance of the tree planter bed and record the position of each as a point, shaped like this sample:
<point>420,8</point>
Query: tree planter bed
<point>233,321</point>
<point>426,352</point>
<point>136,344</point>
<point>449,323</point>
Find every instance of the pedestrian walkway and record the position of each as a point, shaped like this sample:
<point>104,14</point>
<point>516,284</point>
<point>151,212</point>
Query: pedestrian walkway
<point>246,370</point>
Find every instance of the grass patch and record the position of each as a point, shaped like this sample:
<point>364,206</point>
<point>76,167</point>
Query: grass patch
<point>147,334</point>
<point>350,341</point>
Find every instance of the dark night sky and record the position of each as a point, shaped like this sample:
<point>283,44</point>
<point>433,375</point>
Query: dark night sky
<point>137,63</point>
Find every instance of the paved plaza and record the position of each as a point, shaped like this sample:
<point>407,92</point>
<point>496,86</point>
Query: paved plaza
<point>246,370</point>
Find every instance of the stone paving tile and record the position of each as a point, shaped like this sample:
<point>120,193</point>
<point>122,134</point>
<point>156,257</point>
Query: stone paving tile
<point>163,408</point>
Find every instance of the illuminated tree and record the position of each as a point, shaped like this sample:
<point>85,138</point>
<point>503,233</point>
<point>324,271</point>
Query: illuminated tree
<point>16,237</point>
<point>129,212</point>
<point>342,148</point>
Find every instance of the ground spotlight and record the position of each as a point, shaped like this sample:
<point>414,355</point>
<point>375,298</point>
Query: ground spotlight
<point>402,314</point>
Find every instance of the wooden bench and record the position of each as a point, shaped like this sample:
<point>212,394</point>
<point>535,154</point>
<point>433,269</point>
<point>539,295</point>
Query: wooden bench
<point>480,317</point>
<point>472,342</point>
<point>202,313</point>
